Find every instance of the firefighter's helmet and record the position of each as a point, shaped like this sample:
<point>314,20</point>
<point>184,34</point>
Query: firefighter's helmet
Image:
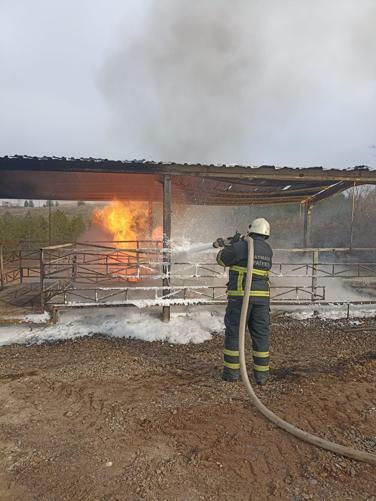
<point>260,226</point>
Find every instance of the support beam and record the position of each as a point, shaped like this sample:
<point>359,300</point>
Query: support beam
<point>329,191</point>
<point>25,165</point>
<point>307,225</point>
<point>352,218</point>
<point>166,239</point>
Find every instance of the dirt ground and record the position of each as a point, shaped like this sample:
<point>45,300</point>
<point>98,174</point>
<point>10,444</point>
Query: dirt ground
<point>108,419</point>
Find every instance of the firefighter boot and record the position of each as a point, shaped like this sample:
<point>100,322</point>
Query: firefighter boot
<point>261,378</point>
<point>232,376</point>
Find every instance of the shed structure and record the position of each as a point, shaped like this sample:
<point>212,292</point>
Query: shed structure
<point>60,178</point>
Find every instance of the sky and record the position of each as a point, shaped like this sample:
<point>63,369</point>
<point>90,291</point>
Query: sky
<point>252,82</point>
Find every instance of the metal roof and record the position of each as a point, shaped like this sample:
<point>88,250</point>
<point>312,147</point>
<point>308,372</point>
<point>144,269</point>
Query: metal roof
<point>100,179</point>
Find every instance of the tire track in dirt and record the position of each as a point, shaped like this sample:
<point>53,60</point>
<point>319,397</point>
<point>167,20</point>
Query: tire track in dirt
<point>334,418</point>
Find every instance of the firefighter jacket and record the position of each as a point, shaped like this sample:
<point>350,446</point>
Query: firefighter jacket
<point>235,257</point>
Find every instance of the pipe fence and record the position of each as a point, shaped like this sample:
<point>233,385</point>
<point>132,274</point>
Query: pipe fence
<point>136,273</point>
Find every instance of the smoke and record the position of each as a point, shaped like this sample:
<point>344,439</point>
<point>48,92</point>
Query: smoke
<point>243,81</point>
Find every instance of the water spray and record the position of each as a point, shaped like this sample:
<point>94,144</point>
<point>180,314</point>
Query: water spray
<point>192,248</point>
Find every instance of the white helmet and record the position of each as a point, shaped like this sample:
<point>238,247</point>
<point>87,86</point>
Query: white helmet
<point>260,226</point>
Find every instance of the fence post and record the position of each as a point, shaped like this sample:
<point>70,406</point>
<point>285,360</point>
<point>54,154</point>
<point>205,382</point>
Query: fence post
<point>2,278</point>
<point>42,276</point>
<point>20,266</point>
<point>74,268</point>
<point>138,258</point>
<point>315,260</point>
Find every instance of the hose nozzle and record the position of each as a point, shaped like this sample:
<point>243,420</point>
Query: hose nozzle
<point>226,242</point>
<point>220,242</point>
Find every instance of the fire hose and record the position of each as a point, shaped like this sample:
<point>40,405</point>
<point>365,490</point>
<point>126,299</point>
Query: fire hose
<point>281,423</point>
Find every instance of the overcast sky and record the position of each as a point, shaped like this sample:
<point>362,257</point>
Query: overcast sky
<point>284,82</point>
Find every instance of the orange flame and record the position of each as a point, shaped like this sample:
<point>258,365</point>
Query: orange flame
<point>124,221</point>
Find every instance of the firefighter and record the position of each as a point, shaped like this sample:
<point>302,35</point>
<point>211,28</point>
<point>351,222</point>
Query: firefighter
<point>234,255</point>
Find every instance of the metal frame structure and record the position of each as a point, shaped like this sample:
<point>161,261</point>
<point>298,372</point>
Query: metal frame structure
<point>99,179</point>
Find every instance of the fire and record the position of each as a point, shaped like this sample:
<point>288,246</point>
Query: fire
<point>127,223</point>
<point>124,221</point>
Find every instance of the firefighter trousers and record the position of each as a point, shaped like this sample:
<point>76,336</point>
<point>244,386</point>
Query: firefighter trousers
<point>259,327</point>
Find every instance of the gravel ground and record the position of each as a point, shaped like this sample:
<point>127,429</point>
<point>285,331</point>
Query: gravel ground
<point>112,419</point>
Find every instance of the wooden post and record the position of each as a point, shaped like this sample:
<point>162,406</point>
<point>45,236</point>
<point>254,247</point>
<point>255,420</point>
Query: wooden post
<point>41,265</point>
<point>166,240</point>
<point>2,278</point>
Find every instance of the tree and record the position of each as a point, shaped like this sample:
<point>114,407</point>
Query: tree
<point>26,203</point>
<point>60,227</point>
<point>77,227</point>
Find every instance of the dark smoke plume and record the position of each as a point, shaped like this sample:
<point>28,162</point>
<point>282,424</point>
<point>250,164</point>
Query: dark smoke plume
<point>218,80</point>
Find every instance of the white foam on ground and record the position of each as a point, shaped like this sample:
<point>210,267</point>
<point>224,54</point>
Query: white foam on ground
<point>330,313</point>
<point>33,318</point>
<point>195,327</point>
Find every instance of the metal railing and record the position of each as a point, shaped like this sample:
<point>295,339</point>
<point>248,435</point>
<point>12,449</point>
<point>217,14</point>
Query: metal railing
<point>91,274</point>
<point>18,265</point>
<point>65,266</point>
<point>107,273</point>
<point>177,295</point>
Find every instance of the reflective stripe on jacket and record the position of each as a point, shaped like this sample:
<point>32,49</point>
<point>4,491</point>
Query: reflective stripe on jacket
<point>236,257</point>
<point>260,282</point>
